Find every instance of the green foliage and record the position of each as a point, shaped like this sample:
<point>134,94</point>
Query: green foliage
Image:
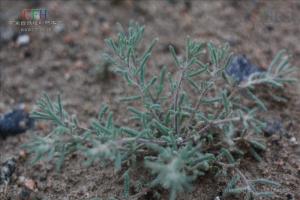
<point>239,184</point>
<point>176,170</point>
<point>276,74</point>
<point>179,138</point>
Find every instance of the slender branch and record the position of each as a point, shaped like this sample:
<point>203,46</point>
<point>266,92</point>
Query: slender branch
<point>198,104</point>
<point>176,125</point>
<point>136,83</point>
<point>245,180</point>
<point>222,121</point>
<point>140,194</point>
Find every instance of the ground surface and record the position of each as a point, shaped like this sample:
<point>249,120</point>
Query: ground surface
<point>65,62</point>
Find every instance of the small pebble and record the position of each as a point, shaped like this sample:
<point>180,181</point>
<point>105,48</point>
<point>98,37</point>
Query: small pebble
<point>23,40</point>
<point>27,194</point>
<point>30,184</point>
<point>240,68</point>
<point>294,141</point>
<point>21,180</point>
<point>59,28</point>
<point>15,122</point>
<point>6,171</point>
<point>289,197</point>
<point>22,154</point>
<point>24,194</point>
<point>27,54</point>
<point>101,19</point>
<point>179,140</point>
<point>273,127</point>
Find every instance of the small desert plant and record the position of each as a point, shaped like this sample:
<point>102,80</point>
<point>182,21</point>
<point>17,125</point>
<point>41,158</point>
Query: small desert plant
<point>197,120</point>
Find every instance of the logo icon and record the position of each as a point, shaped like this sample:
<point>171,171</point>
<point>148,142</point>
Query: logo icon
<point>34,19</point>
<point>34,14</point>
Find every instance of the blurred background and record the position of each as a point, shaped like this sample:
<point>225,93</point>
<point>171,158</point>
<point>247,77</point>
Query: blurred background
<point>64,56</point>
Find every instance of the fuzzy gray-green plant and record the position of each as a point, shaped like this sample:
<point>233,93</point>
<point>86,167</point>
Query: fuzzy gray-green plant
<point>189,123</point>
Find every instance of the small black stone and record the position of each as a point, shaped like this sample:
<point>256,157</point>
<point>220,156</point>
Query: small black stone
<point>24,194</point>
<point>273,127</point>
<point>27,54</point>
<point>240,68</point>
<point>7,170</point>
<point>102,19</point>
<point>270,28</point>
<point>188,4</point>
<point>289,196</point>
<point>15,122</point>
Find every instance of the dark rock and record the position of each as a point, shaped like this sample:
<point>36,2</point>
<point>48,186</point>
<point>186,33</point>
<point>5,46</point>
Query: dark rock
<point>27,54</point>
<point>24,194</point>
<point>102,19</point>
<point>289,196</point>
<point>273,127</point>
<point>240,68</point>
<point>188,4</point>
<point>7,170</point>
<point>15,122</point>
<point>27,194</point>
<point>269,27</point>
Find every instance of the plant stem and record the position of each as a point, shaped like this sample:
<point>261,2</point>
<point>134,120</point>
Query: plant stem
<point>198,104</point>
<point>245,180</point>
<point>176,124</point>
